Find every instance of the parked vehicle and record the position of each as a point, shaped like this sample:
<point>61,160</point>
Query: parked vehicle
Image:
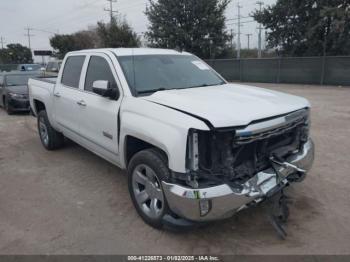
<point>29,67</point>
<point>14,91</point>
<point>196,147</point>
<point>52,68</point>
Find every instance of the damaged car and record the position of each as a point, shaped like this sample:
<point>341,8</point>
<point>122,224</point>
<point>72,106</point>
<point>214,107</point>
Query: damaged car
<point>196,148</point>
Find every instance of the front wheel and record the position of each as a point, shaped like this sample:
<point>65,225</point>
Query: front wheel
<point>50,138</point>
<point>146,171</point>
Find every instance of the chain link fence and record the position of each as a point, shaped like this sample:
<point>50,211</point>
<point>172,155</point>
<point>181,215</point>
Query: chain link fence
<point>330,70</point>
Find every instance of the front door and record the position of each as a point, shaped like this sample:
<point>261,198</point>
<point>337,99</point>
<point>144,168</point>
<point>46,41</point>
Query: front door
<point>98,115</point>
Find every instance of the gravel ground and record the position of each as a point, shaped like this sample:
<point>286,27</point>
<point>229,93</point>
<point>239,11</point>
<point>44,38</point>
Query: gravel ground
<point>73,202</point>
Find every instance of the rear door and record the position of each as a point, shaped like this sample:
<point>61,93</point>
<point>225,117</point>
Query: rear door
<point>99,115</point>
<point>66,95</point>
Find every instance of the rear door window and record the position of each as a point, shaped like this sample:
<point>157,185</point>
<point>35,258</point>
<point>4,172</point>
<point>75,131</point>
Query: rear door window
<point>72,71</point>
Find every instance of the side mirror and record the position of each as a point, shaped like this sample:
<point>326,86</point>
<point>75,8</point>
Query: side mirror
<point>103,88</point>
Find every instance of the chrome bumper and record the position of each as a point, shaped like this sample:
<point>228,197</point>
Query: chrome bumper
<point>223,200</point>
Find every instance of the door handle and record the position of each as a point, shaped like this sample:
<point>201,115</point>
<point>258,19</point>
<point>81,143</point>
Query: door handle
<point>81,103</point>
<point>57,94</point>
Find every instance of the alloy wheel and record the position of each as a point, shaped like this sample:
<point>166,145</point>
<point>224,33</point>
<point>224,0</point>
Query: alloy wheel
<point>148,191</point>
<point>43,131</point>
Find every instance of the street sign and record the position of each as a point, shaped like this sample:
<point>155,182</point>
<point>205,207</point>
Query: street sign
<point>43,53</point>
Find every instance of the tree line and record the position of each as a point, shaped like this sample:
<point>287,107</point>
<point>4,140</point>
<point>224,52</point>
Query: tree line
<point>294,28</point>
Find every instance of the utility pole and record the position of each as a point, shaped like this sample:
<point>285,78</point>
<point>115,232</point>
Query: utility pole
<point>260,4</point>
<point>232,34</point>
<point>110,10</point>
<point>2,41</point>
<point>28,29</point>
<point>239,32</point>
<point>248,36</point>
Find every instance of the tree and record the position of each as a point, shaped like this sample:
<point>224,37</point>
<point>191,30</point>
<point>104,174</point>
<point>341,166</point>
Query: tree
<point>197,26</point>
<point>16,54</point>
<point>86,39</point>
<point>62,44</point>
<point>116,34</point>
<point>308,27</point>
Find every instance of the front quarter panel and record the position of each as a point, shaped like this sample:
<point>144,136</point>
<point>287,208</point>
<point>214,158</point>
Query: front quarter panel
<point>160,126</point>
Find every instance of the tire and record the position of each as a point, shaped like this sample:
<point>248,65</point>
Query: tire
<point>146,171</point>
<point>7,107</point>
<point>50,138</point>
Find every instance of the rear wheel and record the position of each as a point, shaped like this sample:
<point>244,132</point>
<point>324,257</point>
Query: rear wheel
<point>147,170</point>
<point>50,138</point>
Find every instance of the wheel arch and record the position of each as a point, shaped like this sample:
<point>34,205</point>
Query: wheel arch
<point>133,145</point>
<point>38,106</point>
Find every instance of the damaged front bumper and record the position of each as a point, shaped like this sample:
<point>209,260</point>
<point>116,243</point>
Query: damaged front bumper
<point>222,201</point>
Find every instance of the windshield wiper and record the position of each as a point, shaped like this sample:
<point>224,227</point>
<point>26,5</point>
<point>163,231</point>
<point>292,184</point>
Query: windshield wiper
<point>151,90</point>
<point>204,85</point>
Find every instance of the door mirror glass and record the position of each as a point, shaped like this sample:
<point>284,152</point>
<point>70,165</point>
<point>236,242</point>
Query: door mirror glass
<point>103,88</point>
<point>100,85</point>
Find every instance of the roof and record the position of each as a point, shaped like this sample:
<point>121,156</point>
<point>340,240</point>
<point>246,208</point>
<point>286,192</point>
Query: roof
<point>139,51</point>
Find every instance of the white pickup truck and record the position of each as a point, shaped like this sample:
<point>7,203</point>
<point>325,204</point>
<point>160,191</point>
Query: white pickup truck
<point>196,147</point>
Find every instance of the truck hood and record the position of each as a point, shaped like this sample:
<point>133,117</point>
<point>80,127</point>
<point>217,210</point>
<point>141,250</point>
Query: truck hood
<point>229,105</point>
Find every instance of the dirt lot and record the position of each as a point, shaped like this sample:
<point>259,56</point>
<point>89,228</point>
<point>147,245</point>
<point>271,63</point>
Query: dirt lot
<point>73,202</point>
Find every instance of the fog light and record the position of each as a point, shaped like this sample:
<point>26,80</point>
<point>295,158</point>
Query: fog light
<point>204,207</point>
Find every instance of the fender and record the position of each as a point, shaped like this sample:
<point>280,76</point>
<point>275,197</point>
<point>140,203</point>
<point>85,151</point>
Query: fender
<point>160,126</point>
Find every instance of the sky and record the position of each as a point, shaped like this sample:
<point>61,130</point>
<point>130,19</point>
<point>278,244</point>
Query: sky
<point>47,17</point>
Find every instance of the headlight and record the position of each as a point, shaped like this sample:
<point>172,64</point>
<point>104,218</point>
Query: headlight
<point>305,131</point>
<point>17,96</point>
<point>192,153</point>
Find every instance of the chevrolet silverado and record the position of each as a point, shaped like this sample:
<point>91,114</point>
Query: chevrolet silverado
<point>196,148</point>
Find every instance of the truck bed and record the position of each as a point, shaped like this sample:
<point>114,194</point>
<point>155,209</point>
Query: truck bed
<point>41,89</point>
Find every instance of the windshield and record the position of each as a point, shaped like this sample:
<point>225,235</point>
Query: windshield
<point>53,66</point>
<point>151,73</point>
<point>17,80</point>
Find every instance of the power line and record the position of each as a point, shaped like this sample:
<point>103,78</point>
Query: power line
<point>28,29</point>
<point>260,4</point>
<point>236,18</point>
<point>45,31</point>
<point>110,10</point>
<point>244,22</point>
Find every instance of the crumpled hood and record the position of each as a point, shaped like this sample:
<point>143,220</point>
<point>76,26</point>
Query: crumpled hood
<point>231,104</point>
